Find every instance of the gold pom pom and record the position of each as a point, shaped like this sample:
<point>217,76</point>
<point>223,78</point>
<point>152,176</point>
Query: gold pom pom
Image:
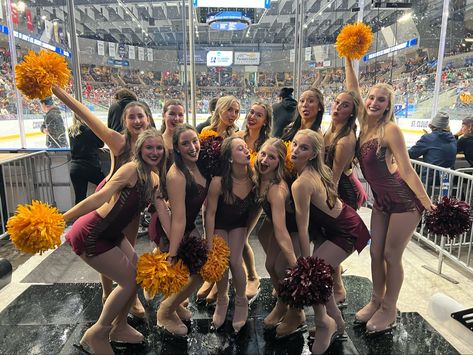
<point>289,164</point>
<point>354,40</point>
<point>36,228</point>
<point>466,98</point>
<point>156,275</point>
<point>206,134</point>
<point>217,261</point>
<point>38,72</point>
<point>253,156</point>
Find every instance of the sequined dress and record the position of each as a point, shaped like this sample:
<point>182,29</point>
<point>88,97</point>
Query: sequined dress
<point>391,193</point>
<point>95,235</point>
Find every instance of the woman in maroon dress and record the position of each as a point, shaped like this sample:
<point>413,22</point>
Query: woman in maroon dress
<point>98,239</point>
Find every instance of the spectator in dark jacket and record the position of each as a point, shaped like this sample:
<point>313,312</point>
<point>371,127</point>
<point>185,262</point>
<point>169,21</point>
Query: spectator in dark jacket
<point>85,163</point>
<point>283,111</point>
<point>123,97</point>
<point>212,105</point>
<point>438,147</point>
<point>53,125</point>
<point>465,142</point>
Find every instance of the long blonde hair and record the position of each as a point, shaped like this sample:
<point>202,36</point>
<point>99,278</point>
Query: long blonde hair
<point>144,170</point>
<point>127,154</point>
<point>318,165</point>
<point>74,128</point>
<point>387,117</point>
<point>223,104</point>
<point>281,171</point>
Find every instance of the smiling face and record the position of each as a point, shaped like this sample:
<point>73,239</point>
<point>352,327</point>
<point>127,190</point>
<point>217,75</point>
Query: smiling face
<point>257,117</point>
<point>301,150</point>
<point>308,105</point>
<point>240,152</point>
<point>136,120</point>
<point>268,160</point>
<point>342,108</point>
<point>189,146</point>
<point>152,151</point>
<point>377,102</point>
<point>229,115</point>
<point>173,116</point>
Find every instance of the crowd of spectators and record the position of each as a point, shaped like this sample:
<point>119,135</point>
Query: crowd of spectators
<point>413,82</point>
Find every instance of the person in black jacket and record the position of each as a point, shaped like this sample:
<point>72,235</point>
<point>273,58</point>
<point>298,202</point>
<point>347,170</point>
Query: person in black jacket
<point>465,142</point>
<point>53,124</point>
<point>123,97</point>
<point>283,111</point>
<point>212,105</point>
<point>85,163</point>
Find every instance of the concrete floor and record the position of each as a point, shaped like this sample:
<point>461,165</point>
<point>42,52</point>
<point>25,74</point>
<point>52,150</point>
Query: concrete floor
<point>419,284</point>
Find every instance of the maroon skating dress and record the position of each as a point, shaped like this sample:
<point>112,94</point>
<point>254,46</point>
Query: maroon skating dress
<point>350,189</point>
<point>195,197</point>
<point>391,193</point>
<point>347,230</point>
<point>95,235</point>
<point>291,224</point>
<point>233,215</point>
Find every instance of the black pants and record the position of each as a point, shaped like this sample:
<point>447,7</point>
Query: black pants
<point>82,174</point>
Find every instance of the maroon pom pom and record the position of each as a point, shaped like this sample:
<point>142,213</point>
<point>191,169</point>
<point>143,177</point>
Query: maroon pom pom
<point>309,282</point>
<point>209,156</point>
<point>451,218</point>
<point>193,252</point>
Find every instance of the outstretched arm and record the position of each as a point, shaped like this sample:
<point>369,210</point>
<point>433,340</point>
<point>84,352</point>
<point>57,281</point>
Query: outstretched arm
<point>344,153</point>
<point>255,214</point>
<point>176,187</point>
<point>277,199</point>
<point>215,189</point>
<point>352,84</point>
<point>301,192</point>
<point>114,140</point>
<point>120,180</point>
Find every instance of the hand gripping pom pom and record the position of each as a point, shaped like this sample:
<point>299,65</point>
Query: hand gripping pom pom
<point>451,218</point>
<point>38,72</point>
<point>156,275</point>
<point>310,282</point>
<point>36,228</point>
<point>193,252</point>
<point>209,155</point>
<point>354,40</point>
<point>217,261</point>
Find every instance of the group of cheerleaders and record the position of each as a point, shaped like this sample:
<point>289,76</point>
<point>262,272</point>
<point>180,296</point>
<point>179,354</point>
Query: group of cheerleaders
<point>318,204</point>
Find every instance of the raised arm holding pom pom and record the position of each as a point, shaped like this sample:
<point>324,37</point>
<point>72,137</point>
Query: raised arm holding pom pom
<point>399,195</point>
<point>121,147</point>
<point>96,236</point>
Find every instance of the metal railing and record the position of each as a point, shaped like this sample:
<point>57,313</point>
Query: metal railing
<point>440,182</point>
<point>24,178</point>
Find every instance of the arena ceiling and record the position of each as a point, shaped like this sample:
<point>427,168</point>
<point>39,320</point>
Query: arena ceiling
<point>159,24</point>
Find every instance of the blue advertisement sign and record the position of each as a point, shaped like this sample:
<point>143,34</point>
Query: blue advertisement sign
<point>407,44</point>
<point>120,62</point>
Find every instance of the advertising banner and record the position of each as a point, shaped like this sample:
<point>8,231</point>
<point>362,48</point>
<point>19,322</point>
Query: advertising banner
<point>247,58</point>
